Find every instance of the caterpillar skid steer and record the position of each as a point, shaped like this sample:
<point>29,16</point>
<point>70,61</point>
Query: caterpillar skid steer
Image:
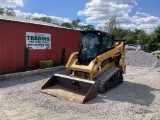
<point>97,67</point>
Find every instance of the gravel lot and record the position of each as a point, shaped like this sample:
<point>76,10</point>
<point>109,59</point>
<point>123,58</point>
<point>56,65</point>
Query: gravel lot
<point>137,98</point>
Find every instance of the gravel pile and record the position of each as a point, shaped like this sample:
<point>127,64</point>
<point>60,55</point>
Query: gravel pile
<point>142,59</point>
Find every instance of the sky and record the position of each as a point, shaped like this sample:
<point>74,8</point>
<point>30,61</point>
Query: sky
<point>131,14</point>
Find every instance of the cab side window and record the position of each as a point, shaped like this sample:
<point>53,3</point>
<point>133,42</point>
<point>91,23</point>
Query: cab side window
<point>104,44</point>
<point>107,43</point>
<point>110,43</point>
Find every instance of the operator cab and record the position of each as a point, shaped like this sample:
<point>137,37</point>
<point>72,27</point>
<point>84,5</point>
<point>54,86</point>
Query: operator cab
<point>92,44</point>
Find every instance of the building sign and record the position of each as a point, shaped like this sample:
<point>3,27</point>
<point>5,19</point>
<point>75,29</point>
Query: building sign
<point>38,40</point>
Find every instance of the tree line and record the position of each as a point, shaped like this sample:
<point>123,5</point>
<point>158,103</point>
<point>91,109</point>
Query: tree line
<point>140,37</point>
<point>74,24</point>
<point>134,37</point>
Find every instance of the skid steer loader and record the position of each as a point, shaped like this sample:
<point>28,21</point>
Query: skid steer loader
<point>97,67</point>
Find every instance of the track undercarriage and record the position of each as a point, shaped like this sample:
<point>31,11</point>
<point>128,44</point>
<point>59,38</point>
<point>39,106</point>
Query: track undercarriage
<point>109,79</point>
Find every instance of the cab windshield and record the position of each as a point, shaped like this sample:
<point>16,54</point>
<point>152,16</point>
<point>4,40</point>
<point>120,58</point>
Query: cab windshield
<point>88,49</point>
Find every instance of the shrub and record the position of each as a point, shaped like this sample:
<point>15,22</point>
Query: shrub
<point>45,64</point>
<point>63,55</point>
<point>26,58</point>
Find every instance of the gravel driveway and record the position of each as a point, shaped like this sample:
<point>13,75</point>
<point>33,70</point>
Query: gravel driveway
<point>137,98</point>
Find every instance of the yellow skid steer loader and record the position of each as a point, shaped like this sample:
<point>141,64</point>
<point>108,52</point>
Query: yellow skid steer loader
<point>97,67</point>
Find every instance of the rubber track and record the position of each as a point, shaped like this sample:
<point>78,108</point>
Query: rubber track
<point>109,79</point>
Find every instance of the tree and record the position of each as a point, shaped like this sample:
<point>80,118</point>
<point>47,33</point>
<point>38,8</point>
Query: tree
<point>141,37</point>
<point>28,17</point>
<point>112,25</point>
<point>36,18</point>
<point>130,37</point>
<point>10,12</point>
<point>87,27</point>
<point>43,19</point>
<point>63,55</point>
<point>119,33</point>
<point>155,40</point>
<point>2,11</point>
<point>46,19</point>
<point>75,23</point>
<point>66,24</point>
<point>26,58</point>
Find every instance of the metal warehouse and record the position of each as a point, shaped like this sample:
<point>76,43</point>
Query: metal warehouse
<point>15,32</point>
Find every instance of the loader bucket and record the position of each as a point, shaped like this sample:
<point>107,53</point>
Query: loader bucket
<point>70,88</point>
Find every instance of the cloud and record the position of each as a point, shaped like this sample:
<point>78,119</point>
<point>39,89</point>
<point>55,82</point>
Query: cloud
<point>100,11</point>
<point>147,20</point>
<point>141,13</point>
<point>37,15</point>
<point>128,26</point>
<point>11,3</point>
<point>147,26</point>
